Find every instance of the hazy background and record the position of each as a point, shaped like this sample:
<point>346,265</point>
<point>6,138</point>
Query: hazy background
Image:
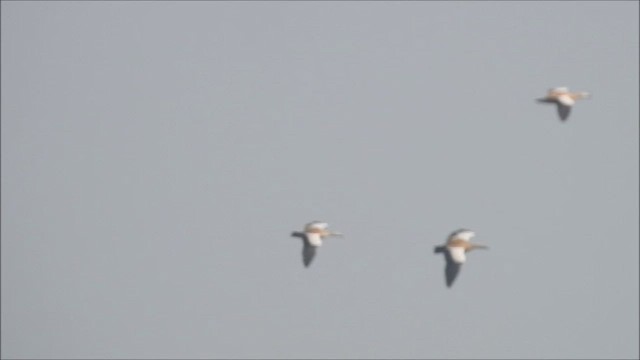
<point>157,155</point>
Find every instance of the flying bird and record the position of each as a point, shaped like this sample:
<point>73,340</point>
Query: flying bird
<point>454,251</point>
<point>312,237</point>
<point>563,99</point>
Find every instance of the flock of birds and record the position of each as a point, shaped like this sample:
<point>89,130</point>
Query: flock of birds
<point>459,242</point>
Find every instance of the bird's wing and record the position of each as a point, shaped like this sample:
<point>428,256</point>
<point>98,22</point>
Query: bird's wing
<point>563,111</point>
<point>308,253</point>
<point>451,271</point>
<point>313,239</point>
<point>455,258</point>
<point>460,235</point>
<point>456,254</point>
<point>318,225</point>
<point>566,99</point>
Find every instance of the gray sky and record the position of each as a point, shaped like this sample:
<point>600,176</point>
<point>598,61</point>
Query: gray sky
<point>157,155</point>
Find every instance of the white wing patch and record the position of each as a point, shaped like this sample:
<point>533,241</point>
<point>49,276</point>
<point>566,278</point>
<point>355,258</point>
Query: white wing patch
<point>566,100</point>
<point>314,239</point>
<point>457,254</point>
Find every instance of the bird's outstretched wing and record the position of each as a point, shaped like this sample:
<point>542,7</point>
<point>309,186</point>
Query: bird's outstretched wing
<point>308,253</point>
<point>563,111</point>
<point>455,257</point>
<point>451,271</point>
<point>316,225</point>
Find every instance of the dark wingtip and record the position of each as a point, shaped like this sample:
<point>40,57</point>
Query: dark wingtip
<point>563,112</point>
<point>450,282</point>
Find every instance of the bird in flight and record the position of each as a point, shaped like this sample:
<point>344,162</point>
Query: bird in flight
<point>312,236</point>
<point>563,99</point>
<point>455,249</point>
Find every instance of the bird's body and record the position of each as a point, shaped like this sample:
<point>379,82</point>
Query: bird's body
<point>312,236</point>
<point>455,249</point>
<point>564,100</point>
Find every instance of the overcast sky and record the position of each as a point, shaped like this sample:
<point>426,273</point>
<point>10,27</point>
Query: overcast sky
<point>156,156</point>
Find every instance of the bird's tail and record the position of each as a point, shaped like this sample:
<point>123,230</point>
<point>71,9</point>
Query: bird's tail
<point>439,249</point>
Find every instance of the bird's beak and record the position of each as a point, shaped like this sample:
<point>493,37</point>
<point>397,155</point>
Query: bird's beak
<point>337,234</point>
